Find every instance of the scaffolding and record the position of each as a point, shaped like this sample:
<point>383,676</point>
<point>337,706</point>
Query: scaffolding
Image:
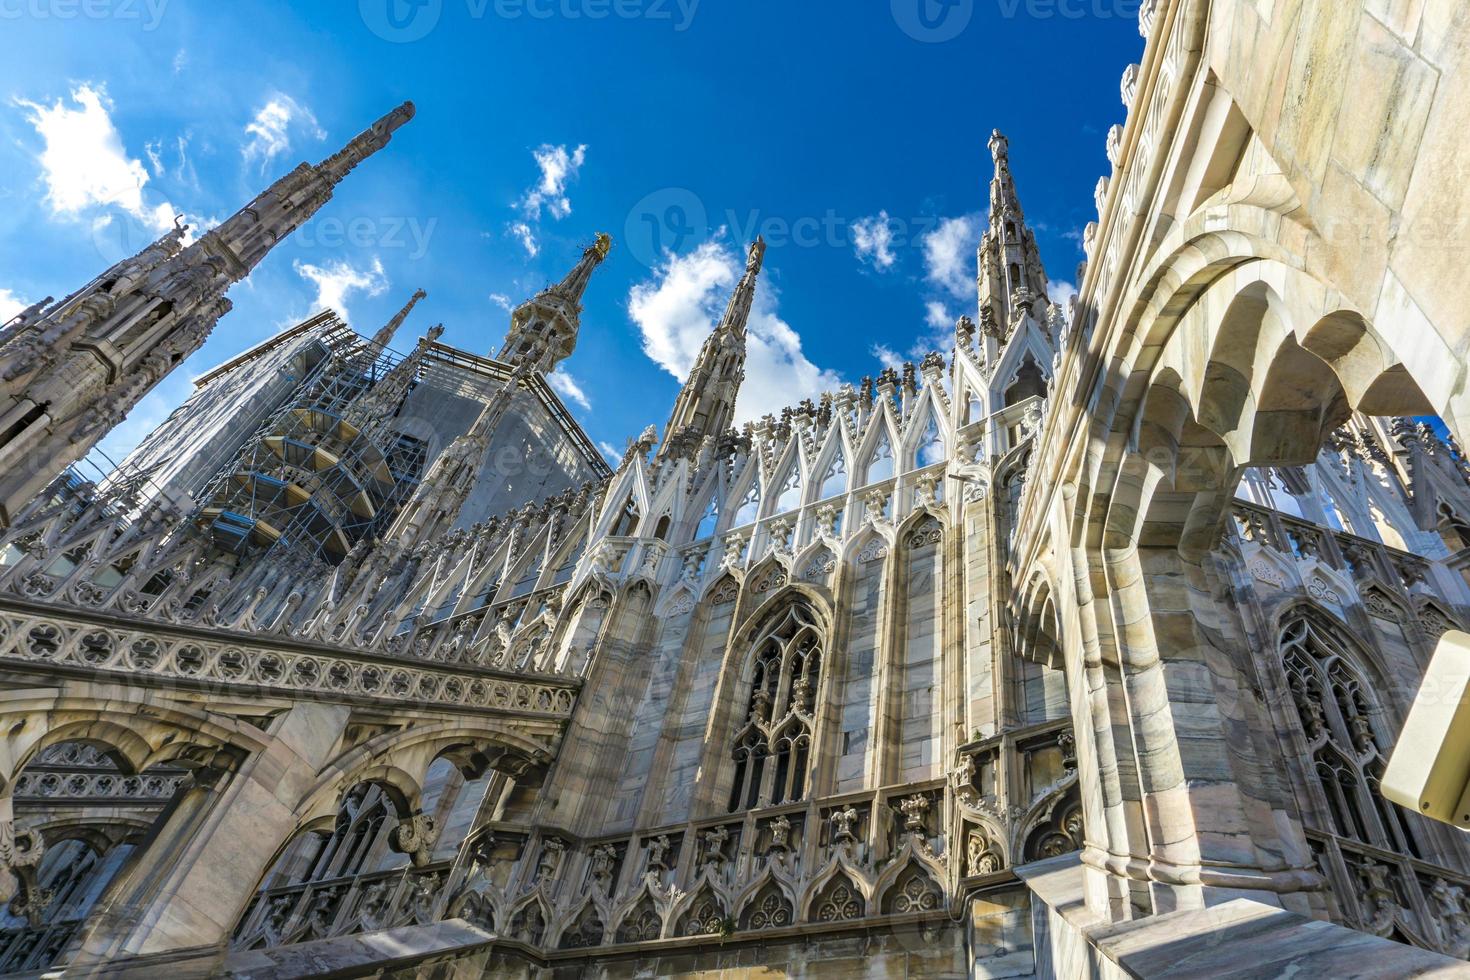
<point>308,479</point>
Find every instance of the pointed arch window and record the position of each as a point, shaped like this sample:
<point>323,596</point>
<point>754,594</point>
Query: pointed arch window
<point>880,464</point>
<point>359,836</point>
<point>790,496</point>
<point>973,411</point>
<point>627,520</point>
<point>931,444</point>
<point>834,482</point>
<point>750,506</point>
<point>527,580</point>
<point>565,570</point>
<point>709,521</point>
<point>486,593</point>
<point>1336,710</point>
<point>772,752</point>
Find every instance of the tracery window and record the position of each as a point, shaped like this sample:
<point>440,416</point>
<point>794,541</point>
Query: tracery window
<point>1336,709</point>
<point>358,834</point>
<point>880,464</point>
<point>931,444</point>
<point>790,497</point>
<point>835,482</point>
<point>772,752</point>
<point>708,522</point>
<point>750,506</point>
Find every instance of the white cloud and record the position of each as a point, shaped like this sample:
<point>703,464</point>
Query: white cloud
<point>566,386</point>
<point>522,233</point>
<point>336,280</point>
<point>679,307</point>
<point>181,60</point>
<point>10,305</point>
<point>886,355</point>
<point>872,239</point>
<point>270,131</point>
<point>558,168</point>
<point>937,315</point>
<point>501,300</point>
<point>1060,292</point>
<point>85,164</point>
<point>610,452</point>
<point>949,255</point>
<point>155,156</point>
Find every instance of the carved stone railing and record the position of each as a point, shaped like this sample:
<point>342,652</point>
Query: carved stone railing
<point>1396,896</point>
<point>25,949</point>
<point>37,636</point>
<point>344,906</point>
<point>53,786</point>
<point>847,861</point>
<point>1357,556</point>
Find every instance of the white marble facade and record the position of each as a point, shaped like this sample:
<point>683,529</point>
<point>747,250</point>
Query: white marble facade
<point>1075,650</point>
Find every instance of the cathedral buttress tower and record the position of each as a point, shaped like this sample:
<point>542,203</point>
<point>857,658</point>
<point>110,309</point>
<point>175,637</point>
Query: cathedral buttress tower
<point>543,333</point>
<point>706,404</point>
<point>73,371</point>
<point>1011,278</point>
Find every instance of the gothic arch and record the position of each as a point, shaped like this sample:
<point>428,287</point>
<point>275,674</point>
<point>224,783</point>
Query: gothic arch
<point>781,681</point>
<point>384,758</point>
<point>765,904</point>
<point>640,917</point>
<point>703,913</point>
<point>108,718</point>
<point>835,895</point>
<point>908,887</point>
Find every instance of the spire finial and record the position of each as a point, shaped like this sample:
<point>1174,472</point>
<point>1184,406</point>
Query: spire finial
<point>384,336</point>
<point>756,257</point>
<point>365,144</point>
<point>543,330</point>
<point>999,147</point>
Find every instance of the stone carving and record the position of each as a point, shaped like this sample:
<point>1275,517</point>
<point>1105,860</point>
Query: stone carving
<point>415,836</point>
<point>601,865</point>
<point>550,860</point>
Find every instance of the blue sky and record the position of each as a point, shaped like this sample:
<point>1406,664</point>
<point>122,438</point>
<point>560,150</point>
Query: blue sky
<point>850,132</point>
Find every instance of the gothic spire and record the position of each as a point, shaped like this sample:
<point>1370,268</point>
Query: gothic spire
<point>543,330</point>
<point>737,314</point>
<point>706,403</point>
<point>1011,279</point>
<point>1004,203</point>
<point>374,406</point>
<point>75,370</point>
<point>384,336</point>
<point>245,238</point>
